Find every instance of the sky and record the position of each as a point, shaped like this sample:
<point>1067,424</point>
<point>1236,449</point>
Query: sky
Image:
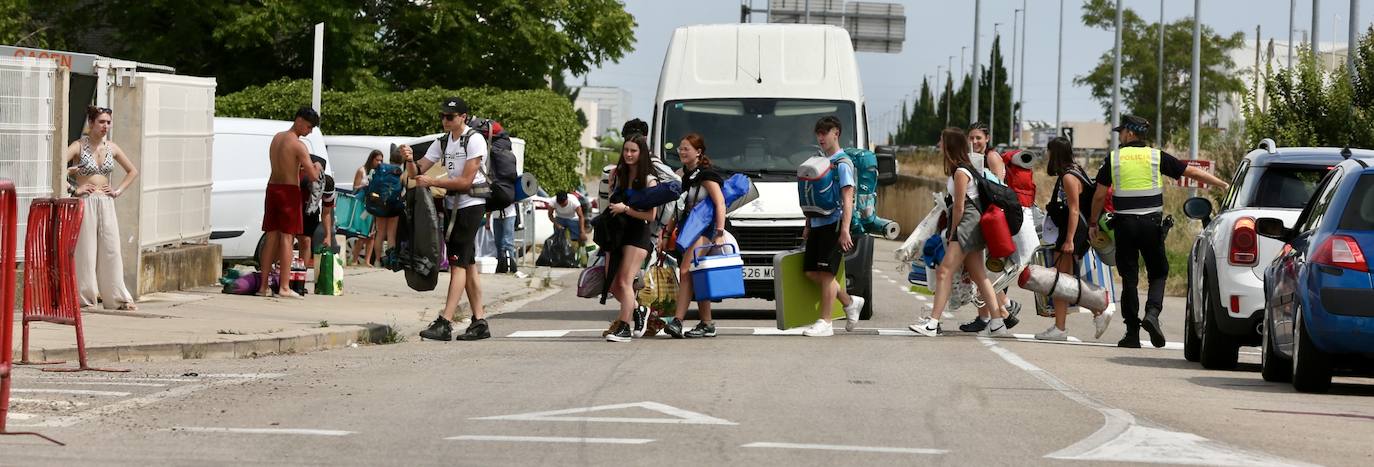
<point>936,29</point>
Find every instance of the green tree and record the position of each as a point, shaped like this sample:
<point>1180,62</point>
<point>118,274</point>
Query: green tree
<point>1140,73</point>
<point>369,44</point>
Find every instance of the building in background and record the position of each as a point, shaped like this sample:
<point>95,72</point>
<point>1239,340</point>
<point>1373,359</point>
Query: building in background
<point>611,110</point>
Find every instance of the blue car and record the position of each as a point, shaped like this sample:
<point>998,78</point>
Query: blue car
<point>1319,307</point>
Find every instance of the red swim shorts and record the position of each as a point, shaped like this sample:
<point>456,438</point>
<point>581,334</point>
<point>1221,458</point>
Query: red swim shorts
<point>282,209</point>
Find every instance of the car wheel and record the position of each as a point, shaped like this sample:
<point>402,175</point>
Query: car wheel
<point>1311,368</point>
<point>1219,351</point>
<point>1274,367</point>
<point>1192,344</point>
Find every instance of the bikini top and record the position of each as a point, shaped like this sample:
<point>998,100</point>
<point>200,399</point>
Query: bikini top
<point>87,166</point>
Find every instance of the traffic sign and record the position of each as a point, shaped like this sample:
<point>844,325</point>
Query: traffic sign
<point>1201,164</point>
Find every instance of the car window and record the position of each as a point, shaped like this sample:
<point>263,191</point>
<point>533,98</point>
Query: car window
<point>1286,186</point>
<point>1319,203</point>
<point>1359,210</point>
<point>1236,183</point>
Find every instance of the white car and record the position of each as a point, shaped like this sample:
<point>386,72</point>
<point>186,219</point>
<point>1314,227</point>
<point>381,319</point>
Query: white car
<point>240,171</point>
<point>1225,301</point>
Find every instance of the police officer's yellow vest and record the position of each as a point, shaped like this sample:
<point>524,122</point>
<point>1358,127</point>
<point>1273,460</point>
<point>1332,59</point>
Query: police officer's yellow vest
<point>1136,180</point>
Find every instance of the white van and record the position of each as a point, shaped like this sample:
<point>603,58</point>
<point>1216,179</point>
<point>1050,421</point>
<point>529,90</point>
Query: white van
<point>755,92</point>
<point>240,169</point>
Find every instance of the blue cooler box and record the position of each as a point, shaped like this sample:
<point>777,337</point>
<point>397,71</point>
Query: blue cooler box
<point>717,277</point>
<point>350,216</point>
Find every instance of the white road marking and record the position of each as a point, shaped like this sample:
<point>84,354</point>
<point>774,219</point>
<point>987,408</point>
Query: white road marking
<point>20,416</point>
<point>97,379</point>
<point>75,392</point>
<point>50,403</point>
<point>75,382</point>
<point>551,439</point>
<point>836,447</point>
<point>259,431</point>
<point>1122,438</point>
<point>778,332</point>
<point>890,280</point>
<point>683,417</point>
<point>126,404</point>
<point>896,332</point>
<point>546,334</point>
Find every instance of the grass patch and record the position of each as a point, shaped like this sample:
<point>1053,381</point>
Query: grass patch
<point>324,324</point>
<point>231,332</point>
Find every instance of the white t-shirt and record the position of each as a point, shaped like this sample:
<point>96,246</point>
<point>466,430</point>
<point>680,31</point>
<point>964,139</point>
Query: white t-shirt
<point>971,189</point>
<point>455,160</point>
<point>569,211</point>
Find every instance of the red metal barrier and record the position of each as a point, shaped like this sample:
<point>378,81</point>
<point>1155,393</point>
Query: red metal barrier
<point>50,293</point>
<point>9,221</point>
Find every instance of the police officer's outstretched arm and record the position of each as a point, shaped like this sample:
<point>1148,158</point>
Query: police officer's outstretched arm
<point>1205,177</point>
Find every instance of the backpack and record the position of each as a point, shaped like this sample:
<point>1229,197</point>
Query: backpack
<point>991,192</point>
<point>383,192</point>
<point>865,219</point>
<point>500,169</point>
<point>818,185</point>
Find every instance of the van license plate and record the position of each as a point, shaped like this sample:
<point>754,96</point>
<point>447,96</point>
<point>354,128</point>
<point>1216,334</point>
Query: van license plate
<point>758,273</point>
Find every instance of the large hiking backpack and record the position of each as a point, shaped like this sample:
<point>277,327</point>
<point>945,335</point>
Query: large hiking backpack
<point>383,197</point>
<point>818,185</point>
<point>865,219</point>
<point>992,192</point>
<point>500,169</point>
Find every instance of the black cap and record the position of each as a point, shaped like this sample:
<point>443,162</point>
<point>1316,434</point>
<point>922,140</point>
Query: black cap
<point>323,163</point>
<point>453,105</point>
<point>309,115</point>
<point>1136,124</point>
<point>636,127</point>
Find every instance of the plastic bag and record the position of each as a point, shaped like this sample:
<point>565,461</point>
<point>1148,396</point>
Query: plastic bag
<point>660,286</point>
<point>486,243</point>
<point>325,282</point>
<point>911,248</point>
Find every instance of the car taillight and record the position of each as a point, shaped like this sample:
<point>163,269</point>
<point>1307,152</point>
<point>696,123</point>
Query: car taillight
<point>1244,243</point>
<point>1341,251</point>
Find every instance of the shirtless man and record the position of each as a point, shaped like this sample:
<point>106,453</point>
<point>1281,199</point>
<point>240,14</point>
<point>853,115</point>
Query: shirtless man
<point>282,219</point>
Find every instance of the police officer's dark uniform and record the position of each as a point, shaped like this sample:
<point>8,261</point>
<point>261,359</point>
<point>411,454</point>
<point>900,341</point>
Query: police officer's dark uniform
<point>1134,170</point>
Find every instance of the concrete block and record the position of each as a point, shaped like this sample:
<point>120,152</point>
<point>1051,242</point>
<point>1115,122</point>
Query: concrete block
<point>179,268</point>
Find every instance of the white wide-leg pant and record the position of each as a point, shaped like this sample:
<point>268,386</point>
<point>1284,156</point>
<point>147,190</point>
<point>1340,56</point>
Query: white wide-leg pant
<point>99,267</point>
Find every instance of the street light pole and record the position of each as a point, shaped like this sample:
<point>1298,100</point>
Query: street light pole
<point>1292,12</point>
<point>949,89</point>
<point>1316,24</point>
<point>1352,41</point>
<point>977,75</point>
<point>1011,120</point>
<point>1159,96</point>
<point>1059,76</point>
<point>1021,93</point>
<point>1197,79</point>
<point>992,86</point>
<point>1116,78</point>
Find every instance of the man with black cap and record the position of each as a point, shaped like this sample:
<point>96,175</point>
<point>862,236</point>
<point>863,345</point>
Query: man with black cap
<point>463,153</point>
<point>1134,170</point>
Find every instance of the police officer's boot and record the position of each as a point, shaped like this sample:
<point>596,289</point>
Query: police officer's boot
<point>1132,338</point>
<point>1151,325</point>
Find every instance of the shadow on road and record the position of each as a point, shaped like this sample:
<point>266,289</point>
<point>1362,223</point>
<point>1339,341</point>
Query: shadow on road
<point>607,313</point>
<point>1258,385</point>
<point>1160,362</point>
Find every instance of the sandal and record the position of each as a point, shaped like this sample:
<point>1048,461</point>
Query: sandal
<point>127,306</point>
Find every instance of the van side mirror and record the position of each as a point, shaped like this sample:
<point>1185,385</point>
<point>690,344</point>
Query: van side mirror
<point>1273,228</point>
<point>887,169</point>
<point>1198,208</point>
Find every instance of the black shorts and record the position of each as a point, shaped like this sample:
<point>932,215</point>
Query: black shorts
<point>822,252</point>
<point>462,241</point>
<point>311,222</point>
<point>637,235</point>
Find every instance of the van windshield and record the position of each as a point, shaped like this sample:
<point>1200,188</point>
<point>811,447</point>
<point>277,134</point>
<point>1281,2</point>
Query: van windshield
<point>761,137</point>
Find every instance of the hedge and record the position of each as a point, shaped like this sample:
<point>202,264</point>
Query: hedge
<point>543,118</point>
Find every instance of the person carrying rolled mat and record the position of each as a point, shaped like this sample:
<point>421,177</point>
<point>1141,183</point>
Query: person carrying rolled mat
<point>1072,192</point>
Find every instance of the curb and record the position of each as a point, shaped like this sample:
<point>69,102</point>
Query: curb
<point>283,343</point>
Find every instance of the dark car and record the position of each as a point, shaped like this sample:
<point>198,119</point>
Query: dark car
<point>1319,315</point>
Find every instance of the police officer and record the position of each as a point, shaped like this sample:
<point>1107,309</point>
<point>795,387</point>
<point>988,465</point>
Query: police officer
<point>1134,170</point>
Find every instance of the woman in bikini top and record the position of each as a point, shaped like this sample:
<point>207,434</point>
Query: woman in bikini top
<point>95,157</point>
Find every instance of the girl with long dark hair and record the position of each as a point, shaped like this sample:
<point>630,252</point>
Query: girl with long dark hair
<point>633,173</point>
<point>701,183</point>
<point>1072,194</point>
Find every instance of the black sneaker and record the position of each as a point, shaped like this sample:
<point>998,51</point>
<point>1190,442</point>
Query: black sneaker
<point>641,320</point>
<point>703,329</point>
<point>974,326</point>
<point>1151,326</point>
<point>476,331</point>
<point>621,334</point>
<point>673,327</point>
<point>1011,320</point>
<point>440,330</point>
<point>1132,338</point>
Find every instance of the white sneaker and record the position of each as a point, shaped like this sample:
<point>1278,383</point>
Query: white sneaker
<point>822,328</point>
<point>1101,322</point>
<point>1052,334</point>
<point>851,313</point>
<point>996,328</point>
<point>928,327</point>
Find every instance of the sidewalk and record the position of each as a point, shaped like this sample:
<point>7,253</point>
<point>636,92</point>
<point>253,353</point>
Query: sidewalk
<point>376,307</point>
